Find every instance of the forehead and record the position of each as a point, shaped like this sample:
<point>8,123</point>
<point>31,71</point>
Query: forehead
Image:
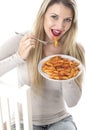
<point>60,9</point>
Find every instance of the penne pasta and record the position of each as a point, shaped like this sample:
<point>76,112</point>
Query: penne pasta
<point>56,41</point>
<point>60,68</point>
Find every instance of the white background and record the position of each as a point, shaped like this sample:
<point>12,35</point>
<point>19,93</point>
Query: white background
<point>19,15</point>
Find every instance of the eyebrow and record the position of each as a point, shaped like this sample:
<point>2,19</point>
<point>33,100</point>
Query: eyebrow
<point>53,14</point>
<point>69,17</point>
<point>64,18</point>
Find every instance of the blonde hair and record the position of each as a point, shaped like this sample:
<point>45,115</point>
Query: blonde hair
<point>68,40</point>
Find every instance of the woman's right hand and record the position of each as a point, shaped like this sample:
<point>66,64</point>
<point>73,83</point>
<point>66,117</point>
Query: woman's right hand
<point>26,44</point>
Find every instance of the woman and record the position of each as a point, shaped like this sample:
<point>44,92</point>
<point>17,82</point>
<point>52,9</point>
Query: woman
<point>55,18</point>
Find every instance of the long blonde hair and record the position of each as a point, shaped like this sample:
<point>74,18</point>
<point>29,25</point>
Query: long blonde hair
<point>68,40</point>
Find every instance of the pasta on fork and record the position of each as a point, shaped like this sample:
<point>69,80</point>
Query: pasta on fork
<point>56,41</point>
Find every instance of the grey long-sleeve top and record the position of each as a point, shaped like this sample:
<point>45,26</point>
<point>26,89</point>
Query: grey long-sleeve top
<point>49,105</point>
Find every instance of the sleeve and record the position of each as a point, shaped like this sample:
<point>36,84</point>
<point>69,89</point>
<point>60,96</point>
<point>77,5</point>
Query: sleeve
<point>9,58</point>
<point>71,93</point>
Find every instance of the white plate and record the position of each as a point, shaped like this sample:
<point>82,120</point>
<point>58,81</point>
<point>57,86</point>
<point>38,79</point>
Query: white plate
<point>63,56</point>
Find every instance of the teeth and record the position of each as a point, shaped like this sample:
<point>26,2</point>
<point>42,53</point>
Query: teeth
<point>56,32</point>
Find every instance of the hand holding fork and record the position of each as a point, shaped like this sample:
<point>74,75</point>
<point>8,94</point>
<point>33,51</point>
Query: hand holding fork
<point>41,41</point>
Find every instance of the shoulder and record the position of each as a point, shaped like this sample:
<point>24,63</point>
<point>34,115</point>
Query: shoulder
<point>80,47</point>
<point>80,52</point>
<point>22,33</point>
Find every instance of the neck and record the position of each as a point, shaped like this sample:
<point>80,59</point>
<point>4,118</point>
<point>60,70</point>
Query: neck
<point>50,49</point>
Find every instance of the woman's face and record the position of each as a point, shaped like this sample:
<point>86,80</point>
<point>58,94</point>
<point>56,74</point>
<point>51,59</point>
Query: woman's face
<point>57,20</point>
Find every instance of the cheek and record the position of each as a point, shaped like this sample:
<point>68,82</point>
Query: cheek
<point>46,26</point>
<point>67,27</point>
<point>47,23</point>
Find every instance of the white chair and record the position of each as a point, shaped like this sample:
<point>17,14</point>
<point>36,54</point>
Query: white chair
<point>10,98</point>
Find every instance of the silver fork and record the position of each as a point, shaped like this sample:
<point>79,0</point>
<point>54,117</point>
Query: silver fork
<point>41,41</point>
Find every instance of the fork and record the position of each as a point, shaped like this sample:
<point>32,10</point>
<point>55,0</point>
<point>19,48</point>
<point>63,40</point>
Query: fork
<point>41,41</point>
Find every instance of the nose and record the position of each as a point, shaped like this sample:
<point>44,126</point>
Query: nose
<point>60,24</point>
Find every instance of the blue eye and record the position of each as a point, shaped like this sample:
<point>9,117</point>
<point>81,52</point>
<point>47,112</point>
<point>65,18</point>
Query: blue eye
<point>54,17</point>
<point>68,20</point>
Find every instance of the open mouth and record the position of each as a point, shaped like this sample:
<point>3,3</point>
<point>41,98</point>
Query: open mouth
<point>56,32</point>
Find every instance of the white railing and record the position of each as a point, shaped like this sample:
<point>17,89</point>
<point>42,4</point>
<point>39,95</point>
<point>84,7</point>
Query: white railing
<point>11,96</point>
